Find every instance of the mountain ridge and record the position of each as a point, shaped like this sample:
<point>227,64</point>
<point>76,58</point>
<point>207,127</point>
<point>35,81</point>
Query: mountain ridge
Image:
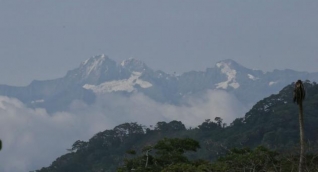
<point>133,75</point>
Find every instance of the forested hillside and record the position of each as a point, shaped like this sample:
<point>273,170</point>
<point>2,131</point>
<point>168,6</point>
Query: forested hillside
<point>272,123</point>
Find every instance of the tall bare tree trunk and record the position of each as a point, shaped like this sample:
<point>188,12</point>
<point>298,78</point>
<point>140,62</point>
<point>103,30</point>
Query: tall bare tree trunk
<point>147,154</point>
<point>302,143</point>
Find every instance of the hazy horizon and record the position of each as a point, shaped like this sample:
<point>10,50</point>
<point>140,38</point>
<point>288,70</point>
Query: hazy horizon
<point>44,39</point>
<point>171,72</point>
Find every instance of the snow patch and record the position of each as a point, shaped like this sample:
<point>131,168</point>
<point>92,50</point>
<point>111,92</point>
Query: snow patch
<point>119,85</point>
<point>272,83</point>
<point>143,84</point>
<point>124,62</point>
<point>235,85</point>
<point>85,62</point>
<point>231,76</point>
<point>252,77</point>
<point>95,64</point>
<point>219,65</point>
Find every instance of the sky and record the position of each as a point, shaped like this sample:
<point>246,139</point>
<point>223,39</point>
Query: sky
<point>44,39</point>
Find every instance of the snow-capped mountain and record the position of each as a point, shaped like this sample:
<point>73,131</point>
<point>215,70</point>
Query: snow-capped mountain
<point>100,74</point>
<point>96,70</point>
<point>119,85</point>
<point>134,65</point>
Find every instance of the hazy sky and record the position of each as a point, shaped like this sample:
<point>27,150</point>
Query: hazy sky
<point>43,39</point>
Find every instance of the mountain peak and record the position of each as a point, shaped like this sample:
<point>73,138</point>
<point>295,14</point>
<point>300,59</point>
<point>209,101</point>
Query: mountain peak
<point>94,69</point>
<point>131,61</point>
<point>133,64</point>
<point>227,62</point>
<point>95,63</point>
<point>228,67</point>
<point>95,59</point>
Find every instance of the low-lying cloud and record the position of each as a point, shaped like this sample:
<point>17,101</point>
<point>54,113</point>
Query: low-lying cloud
<point>32,138</point>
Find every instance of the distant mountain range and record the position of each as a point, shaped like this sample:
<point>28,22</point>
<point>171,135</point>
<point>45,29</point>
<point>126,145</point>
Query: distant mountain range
<point>102,75</point>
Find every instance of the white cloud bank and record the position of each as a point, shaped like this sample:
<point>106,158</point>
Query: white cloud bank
<point>32,138</point>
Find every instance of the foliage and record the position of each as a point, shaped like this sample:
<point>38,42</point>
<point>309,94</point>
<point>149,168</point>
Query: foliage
<point>167,152</point>
<point>208,125</point>
<point>272,123</point>
<point>235,160</point>
<point>171,126</point>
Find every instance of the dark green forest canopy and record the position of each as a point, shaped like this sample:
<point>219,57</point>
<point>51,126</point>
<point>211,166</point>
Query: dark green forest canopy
<point>167,158</point>
<point>272,123</point>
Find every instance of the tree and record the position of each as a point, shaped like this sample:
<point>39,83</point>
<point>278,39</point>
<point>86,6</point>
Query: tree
<point>128,129</point>
<point>218,121</point>
<point>167,153</point>
<point>171,126</point>
<point>163,126</point>
<point>299,96</point>
<point>180,167</point>
<point>171,151</point>
<point>78,145</point>
<point>176,125</point>
<point>208,125</point>
<point>246,159</point>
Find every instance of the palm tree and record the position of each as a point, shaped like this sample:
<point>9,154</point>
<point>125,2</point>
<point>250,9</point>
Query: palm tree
<point>299,96</point>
